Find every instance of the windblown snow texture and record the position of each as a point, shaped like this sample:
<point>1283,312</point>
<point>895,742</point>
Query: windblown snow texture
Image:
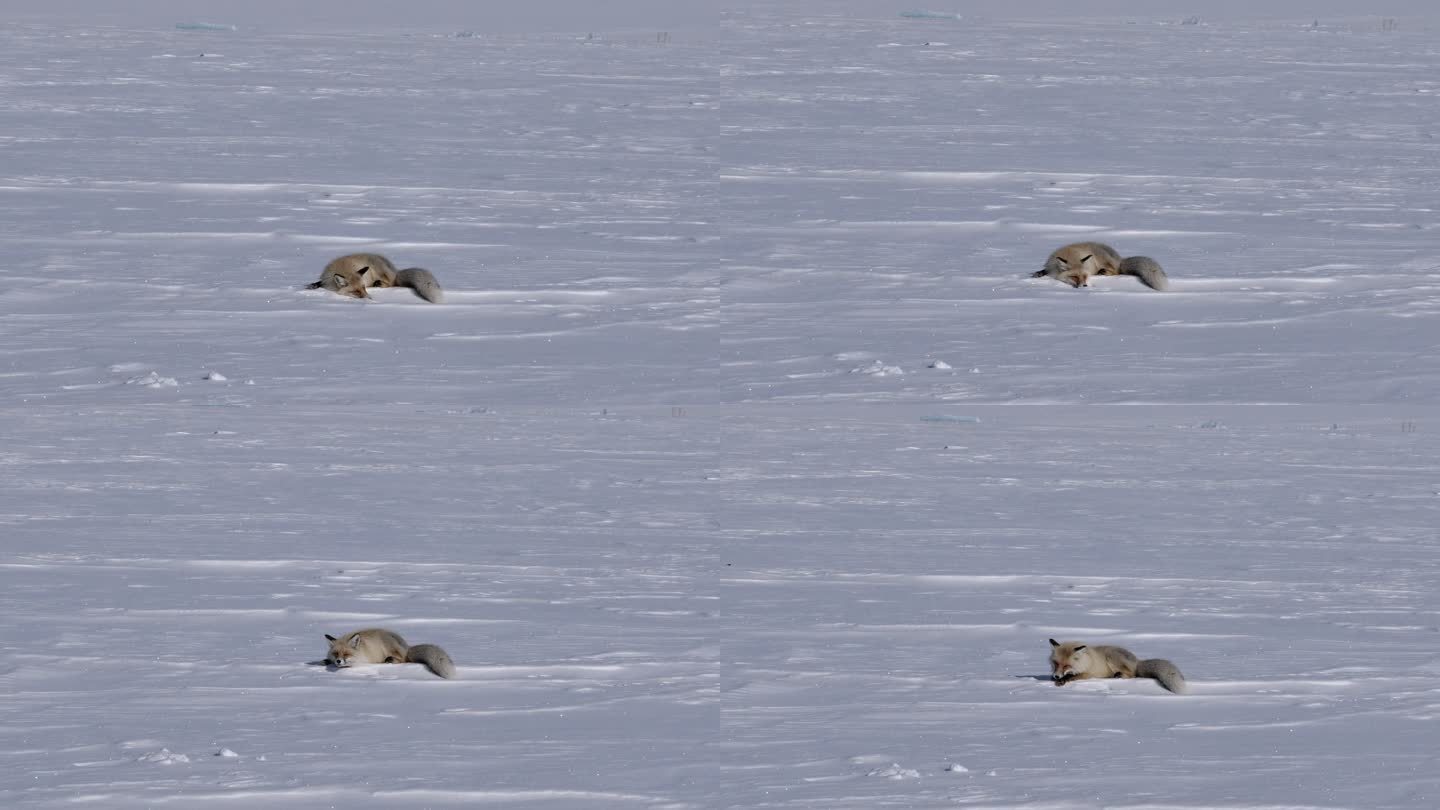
<point>744,466</point>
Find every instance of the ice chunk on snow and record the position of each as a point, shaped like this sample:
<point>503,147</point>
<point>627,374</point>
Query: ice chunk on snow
<point>878,369</point>
<point>153,380</point>
<point>894,771</point>
<point>164,757</point>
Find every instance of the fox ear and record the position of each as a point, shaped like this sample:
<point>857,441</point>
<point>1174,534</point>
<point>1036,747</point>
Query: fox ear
<point>1053,642</point>
<point>364,269</point>
<point>1079,647</point>
<point>329,637</point>
<point>354,642</point>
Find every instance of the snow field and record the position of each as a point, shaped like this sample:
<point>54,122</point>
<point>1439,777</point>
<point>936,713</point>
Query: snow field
<point>743,465</point>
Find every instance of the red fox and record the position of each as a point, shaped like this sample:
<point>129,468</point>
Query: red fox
<point>1076,264</point>
<point>353,274</point>
<point>378,646</point>
<point>1076,660</point>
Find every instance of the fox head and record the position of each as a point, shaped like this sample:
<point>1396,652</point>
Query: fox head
<point>346,282</point>
<point>1072,268</point>
<point>1067,659</point>
<point>342,653</point>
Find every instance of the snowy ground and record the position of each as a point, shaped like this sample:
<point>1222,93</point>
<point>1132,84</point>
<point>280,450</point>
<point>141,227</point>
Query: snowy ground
<point>743,467</point>
<point>897,580</point>
<point>904,175</point>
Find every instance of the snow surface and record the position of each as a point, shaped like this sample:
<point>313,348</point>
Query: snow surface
<point>743,466</point>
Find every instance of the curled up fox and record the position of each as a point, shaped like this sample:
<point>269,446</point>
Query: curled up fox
<point>1076,264</point>
<point>379,646</point>
<point>353,274</point>
<point>1076,660</point>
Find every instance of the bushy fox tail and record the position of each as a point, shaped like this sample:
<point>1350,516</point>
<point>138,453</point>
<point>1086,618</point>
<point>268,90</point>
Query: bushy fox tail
<point>1158,668</point>
<point>1147,270</point>
<point>422,281</point>
<point>435,659</point>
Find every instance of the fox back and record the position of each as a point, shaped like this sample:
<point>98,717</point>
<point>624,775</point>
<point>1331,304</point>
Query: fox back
<point>360,261</point>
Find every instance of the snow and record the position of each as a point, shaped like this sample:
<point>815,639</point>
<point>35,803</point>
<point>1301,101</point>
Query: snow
<point>744,465</point>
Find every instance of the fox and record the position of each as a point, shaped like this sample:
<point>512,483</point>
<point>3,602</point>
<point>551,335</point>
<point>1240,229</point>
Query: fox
<point>1076,264</point>
<point>353,274</point>
<point>1076,660</point>
<point>379,646</point>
